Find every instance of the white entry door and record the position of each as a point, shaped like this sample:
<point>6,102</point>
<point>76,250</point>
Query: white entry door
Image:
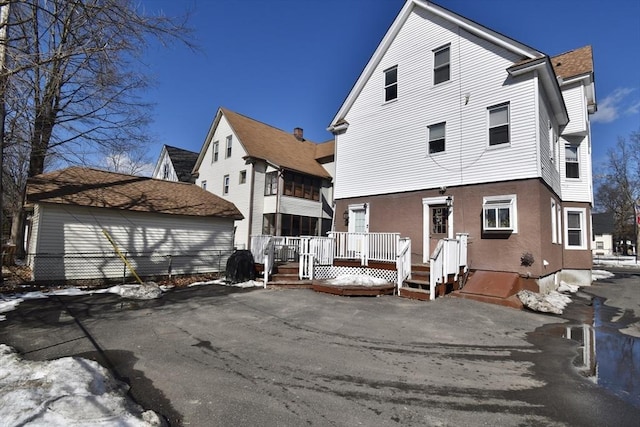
<point>358,224</point>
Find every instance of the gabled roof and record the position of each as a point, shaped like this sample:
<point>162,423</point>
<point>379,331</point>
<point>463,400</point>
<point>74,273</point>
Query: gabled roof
<point>183,162</point>
<point>527,53</point>
<point>262,141</point>
<point>79,186</point>
<point>574,63</point>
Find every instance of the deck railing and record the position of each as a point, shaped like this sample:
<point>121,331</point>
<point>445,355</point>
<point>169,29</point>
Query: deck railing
<point>366,246</point>
<point>403,262</point>
<point>447,259</point>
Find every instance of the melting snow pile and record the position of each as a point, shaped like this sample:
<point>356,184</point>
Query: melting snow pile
<point>356,280</point>
<point>62,392</point>
<point>553,302</point>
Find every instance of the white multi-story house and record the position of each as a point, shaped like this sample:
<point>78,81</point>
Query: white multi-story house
<point>455,128</point>
<point>175,164</point>
<point>280,182</point>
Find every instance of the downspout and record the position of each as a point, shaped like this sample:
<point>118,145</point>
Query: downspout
<point>251,195</point>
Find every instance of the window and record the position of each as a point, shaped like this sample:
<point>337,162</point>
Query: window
<point>436,138</point>
<point>303,186</point>
<point>499,214</point>
<point>554,222</point>
<point>225,184</point>
<point>271,184</point>
<point>499,124</point>
<point>269,224</point>
<point>571,161</point>
<point>441,65</point>
<point>203,184</point>
<point>229,140</point>
<point>575,228</point>
<point>599,245</point>
<point>391,84</point>
<point>165,171</point>
<point>215,148</point>
<point>243,177</point>
<point>439,217</point>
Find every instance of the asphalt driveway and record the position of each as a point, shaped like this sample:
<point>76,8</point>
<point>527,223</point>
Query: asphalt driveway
<point>223,356</point>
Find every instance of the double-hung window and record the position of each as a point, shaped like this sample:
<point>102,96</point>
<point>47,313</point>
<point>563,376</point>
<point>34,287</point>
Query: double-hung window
<point>214,151</point>
<point>500,214</point>
<point>271,183</point>
<point>572,167</point>
<point>229,142</point>
<point>436,138</point>
<point>575,228</point>
<point>441,65</point>
<point>225,185</point>
<point>243,177</point>
<point>391,84</point>
<point>498,124</point>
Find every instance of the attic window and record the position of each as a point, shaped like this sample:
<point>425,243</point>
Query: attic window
<point>391,84</point>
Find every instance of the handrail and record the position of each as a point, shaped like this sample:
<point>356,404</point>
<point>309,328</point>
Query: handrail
<point>403,262</point>
<point>447,258</point>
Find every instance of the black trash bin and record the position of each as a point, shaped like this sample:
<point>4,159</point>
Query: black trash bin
<point>240,267</point>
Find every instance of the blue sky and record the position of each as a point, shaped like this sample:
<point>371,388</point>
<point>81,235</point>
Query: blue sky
<point>291,63</point>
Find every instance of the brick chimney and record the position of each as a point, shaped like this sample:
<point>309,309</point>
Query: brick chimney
<point>298,132</point>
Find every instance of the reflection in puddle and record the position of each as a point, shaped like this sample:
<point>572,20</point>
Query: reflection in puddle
<point>608,357</point>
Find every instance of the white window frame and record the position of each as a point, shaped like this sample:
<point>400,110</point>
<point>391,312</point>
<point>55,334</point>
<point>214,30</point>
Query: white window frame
<point>583,229</point>
<point>554,221</point>
<point>242,179</point>
<point>225,185</point>
<point>577,162</point>
<point>229,145</point>
<point>444,138</point>
<point>215,151</point>
<point>391,84</point>
<point>446,65</point>
<point>360,208</point>
<point>494,108</point>
<point>203,184</point>
<point>509,201</point>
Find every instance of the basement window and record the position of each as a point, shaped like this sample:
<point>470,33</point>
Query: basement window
<point>500,214</point>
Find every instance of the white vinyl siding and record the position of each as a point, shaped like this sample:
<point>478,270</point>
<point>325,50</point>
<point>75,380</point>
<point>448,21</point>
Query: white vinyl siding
<point>368,159</point>
<point>576,103</point>
<point>146,238</point>
<point>576,189</point>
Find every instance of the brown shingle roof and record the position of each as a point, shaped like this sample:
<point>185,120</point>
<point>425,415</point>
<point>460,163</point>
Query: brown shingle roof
<point>325,149</point>
<point>573,63</point>
<point>96,188</point>
<point>274,145</point>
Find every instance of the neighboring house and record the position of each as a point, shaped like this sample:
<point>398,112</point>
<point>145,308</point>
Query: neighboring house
<point>455,128</point>
<point>603,229</point>
<point>163,227</point>
<point>280,182</point>
<point>175,164</point>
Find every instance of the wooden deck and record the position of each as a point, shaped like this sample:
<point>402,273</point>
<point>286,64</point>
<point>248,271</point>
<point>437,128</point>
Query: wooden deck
<point>353,290</point>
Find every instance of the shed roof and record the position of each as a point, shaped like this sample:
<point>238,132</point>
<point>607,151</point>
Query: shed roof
<point>80,186</point>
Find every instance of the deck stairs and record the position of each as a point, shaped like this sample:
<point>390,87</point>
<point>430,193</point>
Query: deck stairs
<point>285,275</point>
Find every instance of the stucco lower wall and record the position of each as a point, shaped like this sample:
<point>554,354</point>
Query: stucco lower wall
<point>403,213</point>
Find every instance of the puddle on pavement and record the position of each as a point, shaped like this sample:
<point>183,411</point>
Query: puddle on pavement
<point>606,356</point>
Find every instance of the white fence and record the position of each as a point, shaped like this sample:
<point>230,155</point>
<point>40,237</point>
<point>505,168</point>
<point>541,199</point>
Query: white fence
<point>366,246</point>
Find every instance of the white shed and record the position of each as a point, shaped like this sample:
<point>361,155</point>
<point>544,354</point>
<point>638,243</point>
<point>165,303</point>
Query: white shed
<point>162,227</point>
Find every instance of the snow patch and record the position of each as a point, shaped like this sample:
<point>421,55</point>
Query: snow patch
<point>62,392</point>
<point>601,274</point>
<point>357,280</point>
<point>553,302</point>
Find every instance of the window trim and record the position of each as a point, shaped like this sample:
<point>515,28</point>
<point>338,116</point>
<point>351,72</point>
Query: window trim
<point>577,162</point>
<point>225,185</point>
<point>270,179</point>
<point>203,184</point>
<point>500,202</point>
<point>390,85</point>
<point>440,67</point>
<point>554,221</point>
<point>444,138</point>
<point>242,179</point>
<point>490,109</point>
<point>583,228</point>
<point>229,146</point>
<point>215,151</point>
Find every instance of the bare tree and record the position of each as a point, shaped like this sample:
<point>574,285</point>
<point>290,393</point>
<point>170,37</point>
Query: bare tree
<point>618,187</point>
<point>74,76</point>
<point>126,159</point>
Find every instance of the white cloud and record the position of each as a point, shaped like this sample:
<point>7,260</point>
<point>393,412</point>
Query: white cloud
<point>611,107</point>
